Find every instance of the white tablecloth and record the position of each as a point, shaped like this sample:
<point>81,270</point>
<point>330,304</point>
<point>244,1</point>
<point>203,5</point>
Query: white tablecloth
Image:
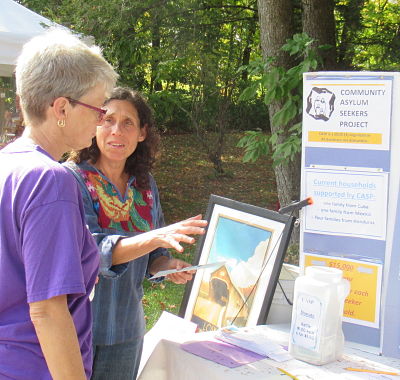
<point>169,362</point>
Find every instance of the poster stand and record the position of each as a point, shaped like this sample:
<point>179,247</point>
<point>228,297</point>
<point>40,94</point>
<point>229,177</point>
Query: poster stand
<point>350,167</point>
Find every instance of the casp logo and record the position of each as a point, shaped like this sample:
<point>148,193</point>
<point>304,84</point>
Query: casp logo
<point>320,103</point>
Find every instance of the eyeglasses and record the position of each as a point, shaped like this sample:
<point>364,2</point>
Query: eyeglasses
<point>101,112</point>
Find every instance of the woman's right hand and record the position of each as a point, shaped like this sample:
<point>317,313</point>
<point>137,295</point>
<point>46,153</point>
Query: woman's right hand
<point>171,236</point>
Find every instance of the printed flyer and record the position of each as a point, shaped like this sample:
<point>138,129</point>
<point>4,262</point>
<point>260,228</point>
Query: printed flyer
<point>362,306</point>
<point>349,113</point>
<point>346,202</point>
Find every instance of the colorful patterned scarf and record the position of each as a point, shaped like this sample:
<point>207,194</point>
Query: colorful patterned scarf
<point>132,215</point>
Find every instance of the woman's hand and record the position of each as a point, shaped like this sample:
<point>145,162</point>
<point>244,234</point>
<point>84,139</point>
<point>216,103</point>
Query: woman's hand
<point>171,236</point>
<point>165,263</point>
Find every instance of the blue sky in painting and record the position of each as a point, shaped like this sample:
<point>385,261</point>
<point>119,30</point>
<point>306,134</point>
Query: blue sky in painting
<point>235,240</point>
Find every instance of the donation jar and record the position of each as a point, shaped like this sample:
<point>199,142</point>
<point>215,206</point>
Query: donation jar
<point>316,334</point>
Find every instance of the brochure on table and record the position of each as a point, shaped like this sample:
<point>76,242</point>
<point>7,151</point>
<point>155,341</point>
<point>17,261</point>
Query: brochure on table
<point>350,167</point>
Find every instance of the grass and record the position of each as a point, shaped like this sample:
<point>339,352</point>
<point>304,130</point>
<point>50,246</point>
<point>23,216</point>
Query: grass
<point>186,179</point>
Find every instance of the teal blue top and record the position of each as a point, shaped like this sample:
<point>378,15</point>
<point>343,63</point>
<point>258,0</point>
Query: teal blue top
<point>117,305</point>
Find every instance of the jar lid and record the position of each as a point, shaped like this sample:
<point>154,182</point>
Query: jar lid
<point>326,274</point>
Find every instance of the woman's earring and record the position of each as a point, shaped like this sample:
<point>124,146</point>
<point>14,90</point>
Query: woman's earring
<point>61,123</point>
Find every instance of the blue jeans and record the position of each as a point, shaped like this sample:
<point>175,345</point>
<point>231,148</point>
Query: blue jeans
<point>118,361</point>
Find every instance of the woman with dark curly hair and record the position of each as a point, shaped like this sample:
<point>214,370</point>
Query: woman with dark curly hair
<point>123,212</point>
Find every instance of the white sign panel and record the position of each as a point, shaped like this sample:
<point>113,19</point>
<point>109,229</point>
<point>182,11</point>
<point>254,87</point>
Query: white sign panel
<point>349,203</point>
<point>349,113</point>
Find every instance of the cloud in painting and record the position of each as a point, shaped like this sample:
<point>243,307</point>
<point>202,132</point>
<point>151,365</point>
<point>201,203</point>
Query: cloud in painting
<point>245,273</point>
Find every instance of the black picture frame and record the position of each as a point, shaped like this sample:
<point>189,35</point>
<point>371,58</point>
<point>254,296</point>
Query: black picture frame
<point>253,240</point>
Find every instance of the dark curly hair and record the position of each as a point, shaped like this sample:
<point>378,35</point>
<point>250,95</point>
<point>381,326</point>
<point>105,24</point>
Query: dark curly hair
<point>141,161</point>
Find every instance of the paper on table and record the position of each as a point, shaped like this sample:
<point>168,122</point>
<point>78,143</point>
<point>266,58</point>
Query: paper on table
<point>221,353</point>
<point>192,268</point>
<point>253,339</point>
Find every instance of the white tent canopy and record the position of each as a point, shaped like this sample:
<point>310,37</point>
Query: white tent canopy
<point>17,25</point>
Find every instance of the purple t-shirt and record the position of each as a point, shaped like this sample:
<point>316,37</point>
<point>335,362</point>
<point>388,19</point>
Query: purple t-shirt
<point>46,250</point>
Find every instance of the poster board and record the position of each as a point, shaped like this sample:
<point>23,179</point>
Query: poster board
<point>350,168</point>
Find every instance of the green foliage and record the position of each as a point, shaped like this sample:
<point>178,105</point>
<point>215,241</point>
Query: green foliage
<point>368,35</point>
<point>169,117</point>
<point>250,115</point>
<point>256,144</point>
<point>176,52</point>
<point>292,254</point>
<point>188,47</point>
<point>285,87</point>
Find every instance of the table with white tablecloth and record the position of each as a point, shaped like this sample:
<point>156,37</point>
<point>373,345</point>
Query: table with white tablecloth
<point>169,361</point>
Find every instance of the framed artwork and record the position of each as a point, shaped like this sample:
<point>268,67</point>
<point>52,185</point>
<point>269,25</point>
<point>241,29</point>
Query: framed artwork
<point>249,244</point>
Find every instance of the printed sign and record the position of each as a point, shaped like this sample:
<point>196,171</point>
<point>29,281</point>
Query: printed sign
<point>307,322</point>
<point>362,306</point>
<point>349,203</point>
<point>347,113</point>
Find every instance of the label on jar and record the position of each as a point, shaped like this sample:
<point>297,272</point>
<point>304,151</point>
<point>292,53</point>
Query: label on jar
<point>306,324</point>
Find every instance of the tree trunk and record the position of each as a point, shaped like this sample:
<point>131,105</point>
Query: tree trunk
<point>251,31</point>
<point>276,26</point>
<point>319,23</point>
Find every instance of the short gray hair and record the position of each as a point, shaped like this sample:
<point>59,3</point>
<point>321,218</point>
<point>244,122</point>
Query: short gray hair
<point>58,64</point>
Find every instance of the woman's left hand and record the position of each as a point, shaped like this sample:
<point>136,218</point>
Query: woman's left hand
<point>179,277</point>
<point>165,263</point>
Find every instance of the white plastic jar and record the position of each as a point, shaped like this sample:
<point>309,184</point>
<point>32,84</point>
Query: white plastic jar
<point>316,334</point>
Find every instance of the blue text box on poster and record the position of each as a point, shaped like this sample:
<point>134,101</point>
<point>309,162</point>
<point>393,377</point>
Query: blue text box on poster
<point>348,203</point>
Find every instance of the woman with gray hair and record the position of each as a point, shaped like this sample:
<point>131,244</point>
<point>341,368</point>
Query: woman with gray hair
<point>48,259</point>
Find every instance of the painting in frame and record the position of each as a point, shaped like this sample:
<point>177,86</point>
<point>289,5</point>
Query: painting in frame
<point>249,244</point>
